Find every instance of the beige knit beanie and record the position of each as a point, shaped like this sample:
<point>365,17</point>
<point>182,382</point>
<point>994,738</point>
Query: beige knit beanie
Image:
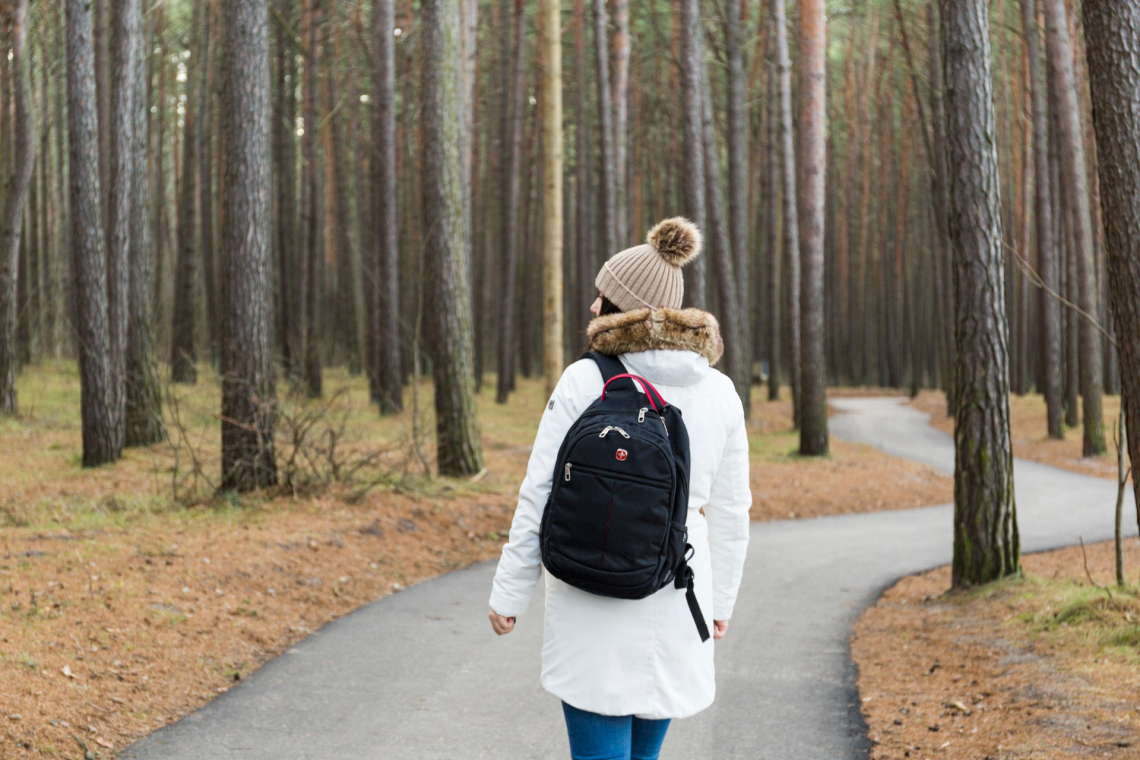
<point>649,276</point>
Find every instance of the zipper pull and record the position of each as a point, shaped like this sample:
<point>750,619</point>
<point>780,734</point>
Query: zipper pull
<point>641,413</point>
<point>664,426</point>
<point>567,471</point>
<point>625,434</point>
<point>603,433</point>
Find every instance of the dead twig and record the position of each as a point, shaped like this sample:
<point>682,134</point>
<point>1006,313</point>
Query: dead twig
<point>1035,278</point>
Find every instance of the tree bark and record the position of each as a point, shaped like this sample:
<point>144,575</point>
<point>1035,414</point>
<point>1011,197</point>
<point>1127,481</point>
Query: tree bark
<point>284,169</point>
<point>986,543</point>
<point>511,233</point>
<point>942,265</point>
<point>1112,34</point>
<point>692,62</point>
<point>340,217</point>
<point>248,384</point>
<point>775,321</point>
<point>608,182</point>
<point>738,163</point>
<point>458,444</point>
<point>142,421</point>
<point>1050,315</point>
<point>87,239</point>
<point>385,334</point>
<point>125,28</point>
<point>1075,192</point>
<point>309,371</point>
<point>623,232</point>
<point>204,126</point>
<point>791,222</point>
<point>183,352</point>
<point>813,121</point>
<point>720,251</point>
<point>15,190</point>
<point>552,318</point>
<point>584,250</point>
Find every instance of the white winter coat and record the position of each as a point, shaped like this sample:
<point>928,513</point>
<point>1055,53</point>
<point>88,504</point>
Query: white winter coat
<point>639,657</point>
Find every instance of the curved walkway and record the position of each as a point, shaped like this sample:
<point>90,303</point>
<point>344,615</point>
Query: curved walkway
<point>420,674</point>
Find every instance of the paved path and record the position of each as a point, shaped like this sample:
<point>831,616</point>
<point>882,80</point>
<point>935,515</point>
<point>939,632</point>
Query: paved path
<point>420,674</point>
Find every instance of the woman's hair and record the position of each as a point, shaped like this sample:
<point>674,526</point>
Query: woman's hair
<point>608,307</point>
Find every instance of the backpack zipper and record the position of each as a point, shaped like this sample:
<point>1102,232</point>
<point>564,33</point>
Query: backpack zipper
<point>621,476</point>
<point>566,477</point>
<point>614,428</point>
<point>641,413</point>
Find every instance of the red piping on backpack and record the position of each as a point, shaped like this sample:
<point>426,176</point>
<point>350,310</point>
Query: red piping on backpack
<point>650,391</point>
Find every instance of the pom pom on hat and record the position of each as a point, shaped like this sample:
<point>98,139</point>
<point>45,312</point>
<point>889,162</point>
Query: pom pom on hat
<point>676,240</point>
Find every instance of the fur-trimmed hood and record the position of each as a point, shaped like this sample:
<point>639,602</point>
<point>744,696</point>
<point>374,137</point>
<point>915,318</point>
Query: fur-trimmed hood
<point>649,329</point>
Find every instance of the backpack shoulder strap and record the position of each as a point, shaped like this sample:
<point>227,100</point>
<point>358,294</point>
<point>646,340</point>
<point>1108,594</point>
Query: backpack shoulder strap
<point>610,366</point>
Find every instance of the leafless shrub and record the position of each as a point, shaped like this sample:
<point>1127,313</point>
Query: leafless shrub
<point>316,446</point>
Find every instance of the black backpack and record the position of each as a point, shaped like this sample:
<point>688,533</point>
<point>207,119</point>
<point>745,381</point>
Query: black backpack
<point>614,524</point>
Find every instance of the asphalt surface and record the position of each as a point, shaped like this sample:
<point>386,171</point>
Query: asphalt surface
<point>420,674</point>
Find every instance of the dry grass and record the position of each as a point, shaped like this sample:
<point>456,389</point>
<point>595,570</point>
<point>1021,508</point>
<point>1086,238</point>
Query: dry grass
<point>124,608</point>
<point>1044,666</point>
<point>1028,429</point>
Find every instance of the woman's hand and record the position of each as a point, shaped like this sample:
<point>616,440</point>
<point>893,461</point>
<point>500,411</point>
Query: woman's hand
<point>719,629</point>
<point>504,625</point>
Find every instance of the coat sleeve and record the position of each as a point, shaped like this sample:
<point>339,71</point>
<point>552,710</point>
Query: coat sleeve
<point>521,563</point>
<point>727,516</point>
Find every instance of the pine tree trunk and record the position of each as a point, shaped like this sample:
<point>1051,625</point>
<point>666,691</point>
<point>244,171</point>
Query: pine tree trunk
<point>813,120</point>
<point>738,181</point>
<point>459,448</point>
<point>1050,314</point>
<point>340,219</point>
<point>511,234</point>
<point>309,375</point>
<point>66,257</point>
<point>142,421</point>
<point>1075,191</point>
<point>986,543</point>
<point>183,352</point>
<point>1112,34</point>
<point>124,30</point>
<point>204,126</point>
<point>552,219</point>
<point>248,385</point>
<point>385,336</point>
<point>87,239</point>
<point>791,222</point>
<point>160,222</point>
<point>692,62</point>
<point>583,249</point>
<point>775,312</point>
<point>939,181</point>
<point>15,190</point>
<point>607,197</point>
<point>284,167</point>
<point>624,235</point>
<point>720,251</point>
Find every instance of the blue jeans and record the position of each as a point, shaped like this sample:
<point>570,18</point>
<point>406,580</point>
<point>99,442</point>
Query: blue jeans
<point>607,737</point>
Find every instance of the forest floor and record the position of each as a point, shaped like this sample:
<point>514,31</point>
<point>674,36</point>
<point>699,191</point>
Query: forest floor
<point>1042,666</point>
<point>1028,426</point>
<point>133,594</point>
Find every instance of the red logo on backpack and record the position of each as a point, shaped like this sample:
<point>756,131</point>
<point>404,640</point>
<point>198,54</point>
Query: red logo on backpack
<point>621,455</point>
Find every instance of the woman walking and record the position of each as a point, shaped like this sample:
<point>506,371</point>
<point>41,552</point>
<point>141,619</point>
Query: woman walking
<point>624,667</point>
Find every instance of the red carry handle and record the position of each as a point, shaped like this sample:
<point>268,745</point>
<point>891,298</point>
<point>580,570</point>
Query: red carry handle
<point>645,384</point>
